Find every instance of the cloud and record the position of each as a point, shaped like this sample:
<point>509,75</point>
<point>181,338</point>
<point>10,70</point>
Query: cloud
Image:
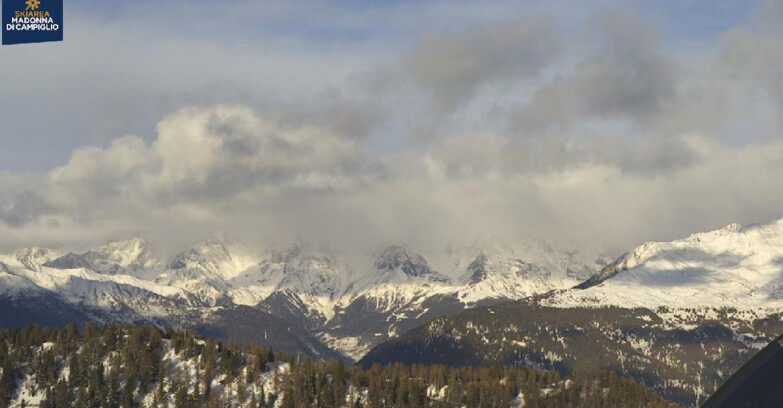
<point>117,74</point>
<point>454,65</point>
<point>223,151</point>
<point>204,159</point>
<point>25,207</point>
<point>750,59</point>
<point>228,168</point>
<point>625,76</point>
<point>592,129</point>
<point>356,115</point>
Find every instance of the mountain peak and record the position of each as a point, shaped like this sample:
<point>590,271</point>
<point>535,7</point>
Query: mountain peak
<point>726,231</point>
<point>206,255</point>
<point>396,257</point>
<point>396,262</point>
<point>734,266</point>
<point>299,249</point>
<point>477,270</point>
<point>34,257</point>
<point>134,253</point>
<point>135,242</point>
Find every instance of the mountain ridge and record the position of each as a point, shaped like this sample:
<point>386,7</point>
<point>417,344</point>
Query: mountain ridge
<point>678,316</point>
<point>310,286</point>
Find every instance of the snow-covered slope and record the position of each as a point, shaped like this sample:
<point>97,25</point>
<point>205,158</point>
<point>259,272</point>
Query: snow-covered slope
<point>402,290</point>
<point>312,274</point>
<point>735,266</point>
<point>203,270</point>
<point>125,297</point>
<point>34,257</point>
<point>494,270</point>
<point>129,257</point>
<point>354,306</point>
<point>679,315</point>
<point>350,306</point>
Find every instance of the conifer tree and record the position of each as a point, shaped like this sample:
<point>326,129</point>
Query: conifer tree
<point>7,381</point>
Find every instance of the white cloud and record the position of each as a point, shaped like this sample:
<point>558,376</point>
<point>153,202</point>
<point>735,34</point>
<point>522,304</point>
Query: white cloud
<point>501,125</point>
<point>228,168</point>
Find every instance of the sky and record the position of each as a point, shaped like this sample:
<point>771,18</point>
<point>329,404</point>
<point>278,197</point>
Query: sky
<point>357,124</point>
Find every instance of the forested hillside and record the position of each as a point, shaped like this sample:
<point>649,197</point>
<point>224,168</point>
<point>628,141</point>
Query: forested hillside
<point>126,366</point>
<point>684,358</point>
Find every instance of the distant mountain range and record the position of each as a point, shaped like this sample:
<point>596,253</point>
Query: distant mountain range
<point>679,316</point>
<point>334,306</point>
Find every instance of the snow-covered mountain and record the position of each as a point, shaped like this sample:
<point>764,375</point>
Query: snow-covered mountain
<point>92,285</point>
<point>673,302</point>
<point>353,306</point>
<point>736,266</point>
<point>350,306</point>
<point>130,257</point>
<point>528,268</point>
<point>679,316</point>
<point>403,289</point>
<point>203,270</point>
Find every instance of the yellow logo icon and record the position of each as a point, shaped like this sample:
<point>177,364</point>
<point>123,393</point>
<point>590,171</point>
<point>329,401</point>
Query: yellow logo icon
<point>32,4</point>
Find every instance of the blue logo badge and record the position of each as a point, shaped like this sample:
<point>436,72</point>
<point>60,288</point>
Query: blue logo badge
<point>32,21</point>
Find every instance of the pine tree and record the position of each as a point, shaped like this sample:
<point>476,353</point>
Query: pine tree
<point>112,394</point>
<point>209,360</point>
<point>63,395</point>
<point>7,381</point>
<point>306,383</point>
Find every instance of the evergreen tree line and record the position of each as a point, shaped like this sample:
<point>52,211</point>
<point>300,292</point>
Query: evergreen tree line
<point>123,366</point>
